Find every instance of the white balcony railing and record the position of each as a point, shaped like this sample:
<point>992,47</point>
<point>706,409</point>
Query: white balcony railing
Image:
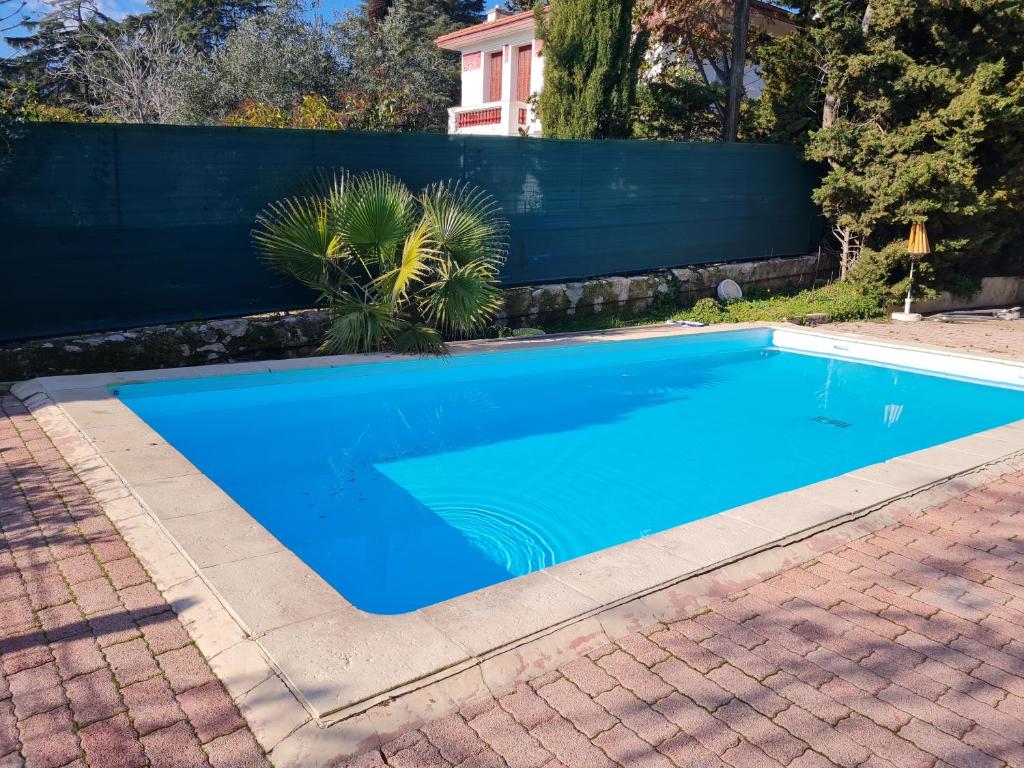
<point>492,118</point>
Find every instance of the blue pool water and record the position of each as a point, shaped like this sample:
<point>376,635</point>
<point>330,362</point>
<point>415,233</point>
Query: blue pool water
<point>406,483</point>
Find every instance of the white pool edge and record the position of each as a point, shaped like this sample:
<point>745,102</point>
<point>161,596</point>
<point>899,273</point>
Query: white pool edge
<point>589,601</point>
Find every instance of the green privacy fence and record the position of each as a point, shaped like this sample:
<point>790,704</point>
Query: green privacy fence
<point>115,226</point>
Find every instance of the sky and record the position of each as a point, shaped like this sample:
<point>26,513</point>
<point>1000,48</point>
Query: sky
<point>118,9</point>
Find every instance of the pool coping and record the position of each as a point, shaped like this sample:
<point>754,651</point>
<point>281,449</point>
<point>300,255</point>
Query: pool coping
<point>340,662</point>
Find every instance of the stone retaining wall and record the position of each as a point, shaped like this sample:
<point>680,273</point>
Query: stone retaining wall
<point>636,293</point>
<point>296,334</point>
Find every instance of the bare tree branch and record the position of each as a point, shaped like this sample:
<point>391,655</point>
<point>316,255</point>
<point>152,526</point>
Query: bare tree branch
<point>131,75</point>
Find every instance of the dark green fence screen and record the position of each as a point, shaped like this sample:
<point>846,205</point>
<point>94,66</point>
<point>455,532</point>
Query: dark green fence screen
<point>114,226</point>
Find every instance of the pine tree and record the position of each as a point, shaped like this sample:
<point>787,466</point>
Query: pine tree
<point>205,23</point>
<point>923,119</point>
<point>519,6</point>
<point>433,17</point>
<point>592,60</point>
<point>44,45</point>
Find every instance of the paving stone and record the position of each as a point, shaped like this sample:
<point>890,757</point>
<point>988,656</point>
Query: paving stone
<point>635,676</point>
<point>677,644</point>
<point>142,600</point>
<point>421,755</point>
<point>705,692</point>
<point>8,728</point>
<point>696,722</point>
<point>49,740</point>
<point>174,747</point>
<point>745,755</point>
<point>151,705</point>
<point>93,697</point>
<point>945,747</point>
<point>111,627</point>
<point>185,668</point>
<point>131,661</point>
<point>684,750</point>
<point>62,621</point>
<point>505,736</point>
<point>77,656</point>
<point>36,690</point>
<point>24,651</point>
<point>163,632</point>
<point>626,748</point>
<point>822,737</point>
<point>588,677</point>
<point>569,745</point>
<point>454,739</point>
<point>236,750</point>
<point>210,710</point>
<point>81,568</point>
<point>581,710</point>
<point>47,592</point>
<point>95,595</point>
<point>644,721</point>
<point>760,731</point>
<point>526,706</point>
<point>112,744</point>
<point>642,649</point>
<point>126,572</point>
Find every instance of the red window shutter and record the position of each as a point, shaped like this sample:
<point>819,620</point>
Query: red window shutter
<point>494,90</point>
<point>523,84</point>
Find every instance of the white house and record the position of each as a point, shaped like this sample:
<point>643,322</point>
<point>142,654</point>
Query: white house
<point>502,67</point>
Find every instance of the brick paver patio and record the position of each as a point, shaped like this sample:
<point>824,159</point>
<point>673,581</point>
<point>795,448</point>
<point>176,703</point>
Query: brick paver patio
<point>905,648</point>
<point>95,668</point>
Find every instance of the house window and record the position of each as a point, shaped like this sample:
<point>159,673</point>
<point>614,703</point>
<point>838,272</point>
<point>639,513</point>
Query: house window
<point>524,58</point>
<point>494,83</point>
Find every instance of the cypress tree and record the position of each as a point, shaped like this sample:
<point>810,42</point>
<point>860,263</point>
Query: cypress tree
<point>592,60</point>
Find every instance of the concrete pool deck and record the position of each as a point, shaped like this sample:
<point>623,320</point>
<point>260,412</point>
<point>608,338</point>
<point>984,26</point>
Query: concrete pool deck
<point>590,595</point>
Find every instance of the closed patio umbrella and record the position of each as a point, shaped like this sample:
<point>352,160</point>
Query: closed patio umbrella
<point>917,247</point>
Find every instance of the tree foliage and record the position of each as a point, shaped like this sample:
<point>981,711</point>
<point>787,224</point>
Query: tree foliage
<point>693,45</point>
<point>792,100</point>
<point>592,59</point>
<point>929,125</point>
<point>675,102</point>
<point>273,59</point>
<point>245,62</point>
<point>204,24</point>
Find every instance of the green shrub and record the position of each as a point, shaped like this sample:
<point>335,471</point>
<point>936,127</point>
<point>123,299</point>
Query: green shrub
<point>842,301</point>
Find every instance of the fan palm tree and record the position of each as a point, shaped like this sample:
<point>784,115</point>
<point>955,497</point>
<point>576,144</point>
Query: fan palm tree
<point>396,271</point>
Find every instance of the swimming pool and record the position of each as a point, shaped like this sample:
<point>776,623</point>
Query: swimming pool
<point>404,484</point>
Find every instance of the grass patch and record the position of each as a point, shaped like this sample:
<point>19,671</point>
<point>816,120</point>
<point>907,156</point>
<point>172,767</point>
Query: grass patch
<point>841,301</point>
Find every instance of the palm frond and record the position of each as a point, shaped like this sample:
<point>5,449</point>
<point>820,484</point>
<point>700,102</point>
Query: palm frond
<point>466,222</point>
<point>418,254</point>
<point>463,297</point>
<point>412,338</point>
<point>295,237</point>
<point>357,326</point>
<point>373,215</point>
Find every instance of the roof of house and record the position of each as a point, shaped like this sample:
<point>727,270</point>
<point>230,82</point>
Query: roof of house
<point>454,41</point>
